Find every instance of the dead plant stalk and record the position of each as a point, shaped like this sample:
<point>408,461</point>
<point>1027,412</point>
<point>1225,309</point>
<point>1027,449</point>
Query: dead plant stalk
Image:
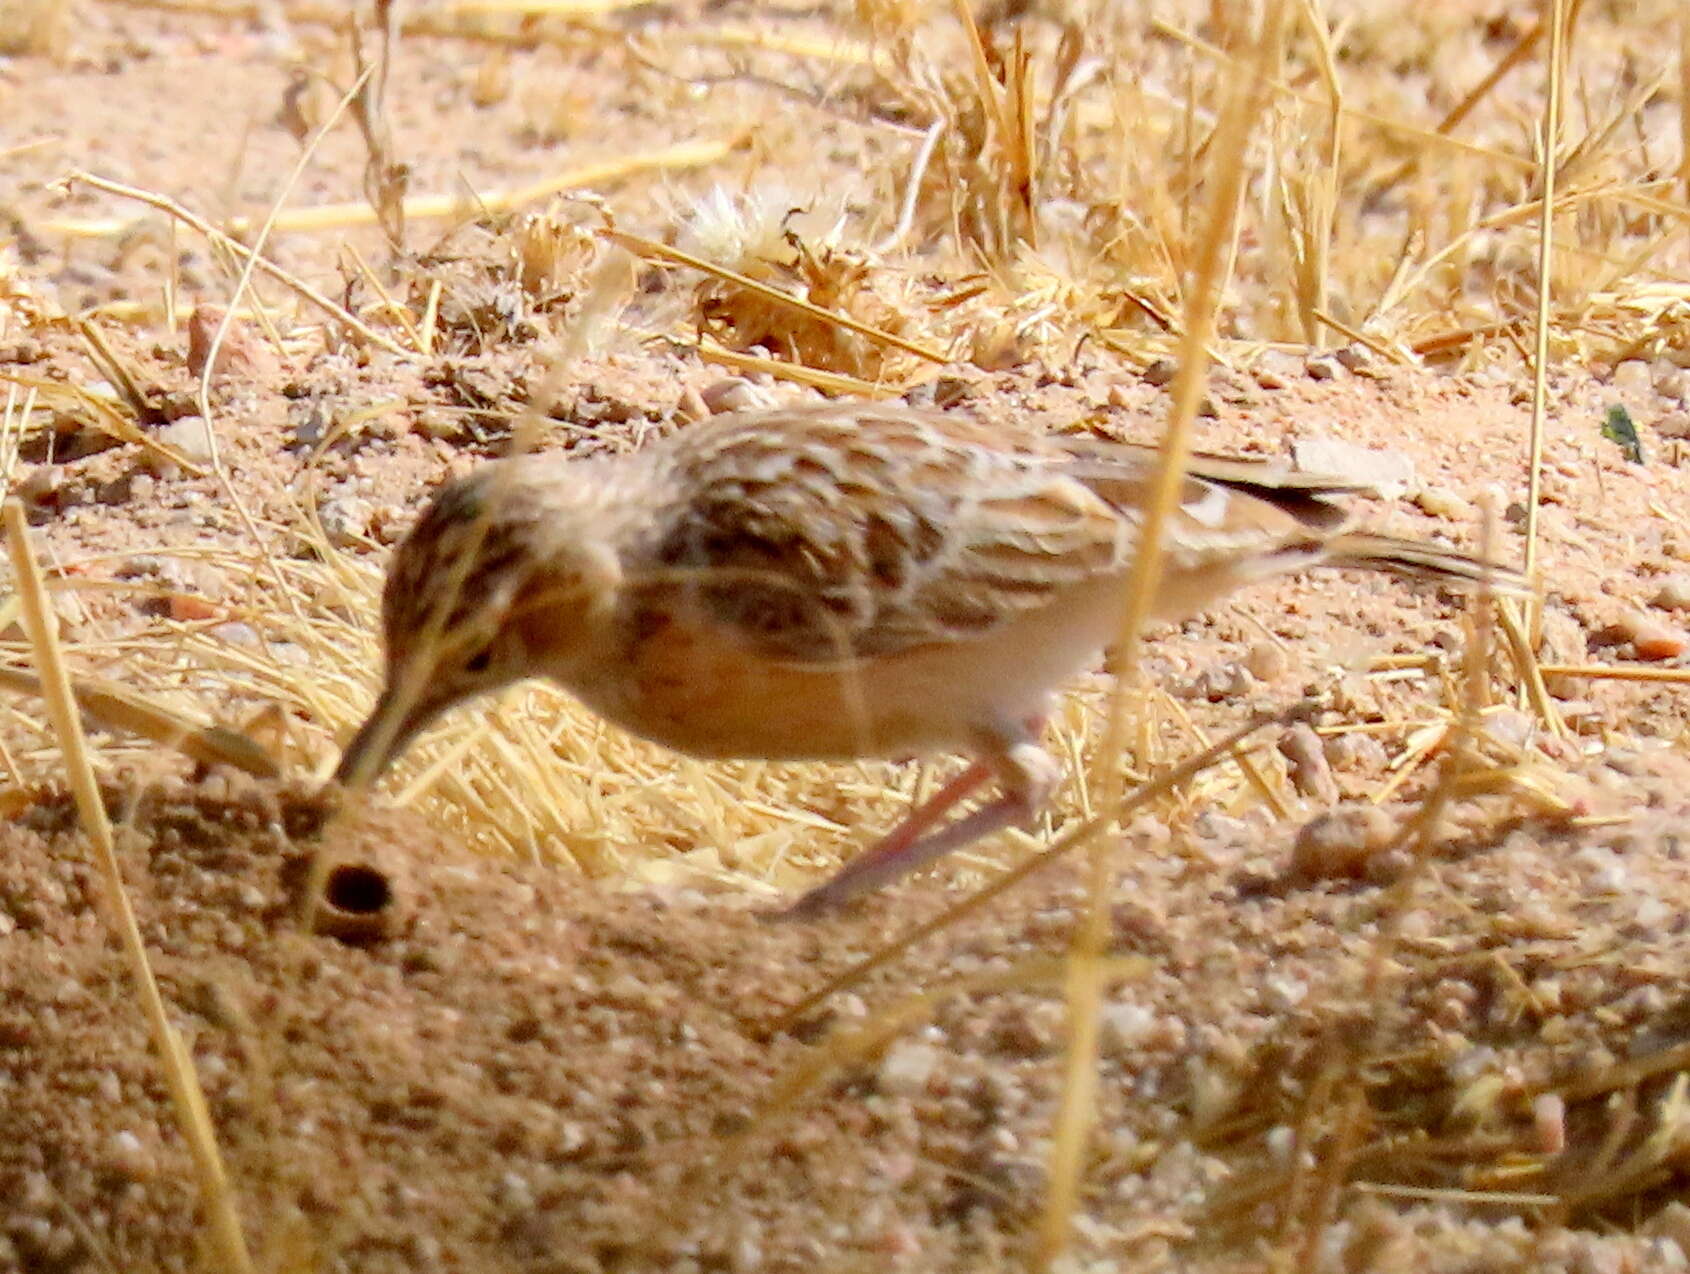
<point>187,1098</point>
<point>1545,263</point>
<point>1085,981</point>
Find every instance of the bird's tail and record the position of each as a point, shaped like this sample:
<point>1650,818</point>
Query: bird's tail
<point>1420,560</point>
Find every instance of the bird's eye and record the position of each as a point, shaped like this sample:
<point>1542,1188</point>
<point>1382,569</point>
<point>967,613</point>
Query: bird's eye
<point>480,661</point>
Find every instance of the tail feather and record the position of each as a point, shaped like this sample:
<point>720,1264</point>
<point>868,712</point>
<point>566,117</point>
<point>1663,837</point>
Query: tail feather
<point>1120,472</point>
<point>1420,560</point>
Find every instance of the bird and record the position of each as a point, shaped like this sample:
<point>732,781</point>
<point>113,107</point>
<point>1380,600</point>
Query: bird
<point>835,581</point>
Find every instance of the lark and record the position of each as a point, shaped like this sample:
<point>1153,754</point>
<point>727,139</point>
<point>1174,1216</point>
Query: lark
<point>832,582</point>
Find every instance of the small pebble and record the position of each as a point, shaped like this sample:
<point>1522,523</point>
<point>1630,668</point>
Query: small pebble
<point>1439,502</point>
<point>1356,751</point>
<point>907,1068</point>
<point>242,350</point>
<point>1306,763</point>
<point>1675,424</point>
<point>428,421</point>
<point>1671,380</point>
<point>734,394</point>
<point>1342,842</point>
<point>1218,683</point>
<point>1125,1026</point>
<point>1323,367</point>
<point>1633,376</point>
<point>1651,639</point>
<point>1673,594</point>
<point>1228,387</point>
<point>346,520</point>
<point>1161,372</point>
<point>1549,1120</point>
<point>191,438</point>
<point>40,486</point>
<point>126,1155</point>
<point>1266,661</point>
<point>1276,369</point>
<point>184,607</point>
<point>1356,357</point>
<point>237,634</point>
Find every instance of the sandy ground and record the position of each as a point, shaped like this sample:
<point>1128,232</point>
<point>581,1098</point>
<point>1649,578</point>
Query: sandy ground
<point>1311,1059</point>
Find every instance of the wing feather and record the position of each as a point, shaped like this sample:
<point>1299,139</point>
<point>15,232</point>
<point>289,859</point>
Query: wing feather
<point>834,534</point>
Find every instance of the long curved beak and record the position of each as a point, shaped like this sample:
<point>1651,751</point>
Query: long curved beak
<point>395,720</point>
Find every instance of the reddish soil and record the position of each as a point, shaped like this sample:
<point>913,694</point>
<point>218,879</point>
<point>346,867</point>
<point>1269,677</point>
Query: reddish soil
<point>523,1070</point>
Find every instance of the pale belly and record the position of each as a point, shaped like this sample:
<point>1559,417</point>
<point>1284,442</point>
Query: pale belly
<point>693,689</point>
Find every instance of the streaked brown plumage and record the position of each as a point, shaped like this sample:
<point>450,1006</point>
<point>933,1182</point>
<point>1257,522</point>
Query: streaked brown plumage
<point>829,582</point>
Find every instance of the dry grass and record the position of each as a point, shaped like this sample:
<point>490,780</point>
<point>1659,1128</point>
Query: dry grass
<point>1025,189</point>
<point>187,1099</point>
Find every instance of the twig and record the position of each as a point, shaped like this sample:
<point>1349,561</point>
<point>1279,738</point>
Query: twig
<point>417,207</point>
<point>1545,263</point>
<point>196,222</point>
<point>1616,672</point>
<point>255,257</point>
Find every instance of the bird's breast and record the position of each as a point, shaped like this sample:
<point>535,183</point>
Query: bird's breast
<point>679,680</point>
<point>693,689</point>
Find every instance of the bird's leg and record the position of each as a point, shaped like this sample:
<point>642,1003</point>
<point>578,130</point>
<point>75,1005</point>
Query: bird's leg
<point>1028,774</point>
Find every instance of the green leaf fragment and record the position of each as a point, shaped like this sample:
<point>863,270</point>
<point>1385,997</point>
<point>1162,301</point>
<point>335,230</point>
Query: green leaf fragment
<point>1618,428</point>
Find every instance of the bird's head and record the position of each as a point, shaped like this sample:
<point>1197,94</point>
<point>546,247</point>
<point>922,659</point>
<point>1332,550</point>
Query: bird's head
<point>506,575</point>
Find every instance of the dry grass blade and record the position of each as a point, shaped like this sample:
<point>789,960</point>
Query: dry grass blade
<point>1474,1198</point>
<point>187,1099</point>
<point>1317,196</point>
<point>198,223</point>
<point>1684,102</point>
<point>1617,672</point>
<point>385,178</point>
<point>1528,668</point>
<point>1384,123</point>
<point>985,83</point>
<point>843,1049</point>
<point>1340,1079</point>
<point>838,383</point>
<point>1518,53</point>
<point>839,49</point>
<point>1074,1119</point>
<point>654,250</point>
<point>346,216</point>
<point>121,708</point>
<point>101,414</point>
<point>122,376</point>
<point>1169,781</point>
<point>1545,261</point>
